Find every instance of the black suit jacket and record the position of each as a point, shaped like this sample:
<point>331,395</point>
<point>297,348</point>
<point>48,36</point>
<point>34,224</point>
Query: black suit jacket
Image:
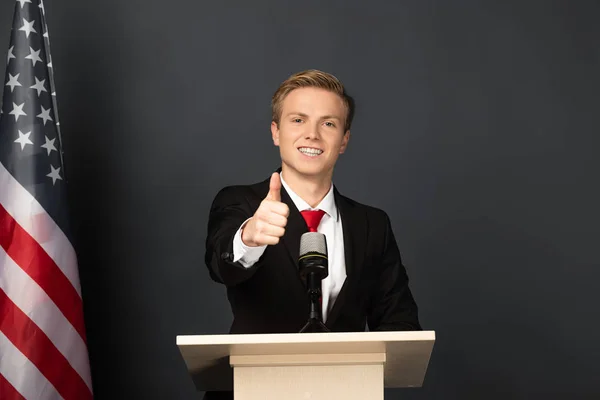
<point>270,297</point>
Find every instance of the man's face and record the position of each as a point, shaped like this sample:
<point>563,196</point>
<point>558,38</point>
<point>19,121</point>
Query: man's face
<point>310,134</point>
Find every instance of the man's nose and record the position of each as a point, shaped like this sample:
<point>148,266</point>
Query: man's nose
<point>313,133</point>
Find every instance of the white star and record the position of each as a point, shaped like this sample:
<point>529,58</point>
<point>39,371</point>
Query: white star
<point>46,35</point>
<point>34,56</point>
<point>50,64</point>
<point>23,2</point>
<point>42,6</point>
<point>54,174</point>
<point>49,145</point>
<point>45,115</point>
<point>17,111</point>
<point>24,139</point>
<point>10,54</point>
<point>12,82</point>
<point>39,86</point>
<point>27,27</point>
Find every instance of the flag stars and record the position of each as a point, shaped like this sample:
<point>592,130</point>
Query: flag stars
<point>54,174</point>
<point>39,86</point>
<point>34,56</point>
<point>10,55</point>
<point>49,145</point>
<point>23,2</point>
<point>13,81</point>
<point>45,115</point>
<point>23,139</point>
<point>41,6</point>
<point>17,111</point>
<point>27,26</point>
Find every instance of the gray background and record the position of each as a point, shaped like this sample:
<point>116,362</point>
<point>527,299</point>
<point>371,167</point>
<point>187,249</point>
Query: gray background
<point>476,130</point>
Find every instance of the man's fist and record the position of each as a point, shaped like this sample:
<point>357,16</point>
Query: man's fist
<point>268,223</point>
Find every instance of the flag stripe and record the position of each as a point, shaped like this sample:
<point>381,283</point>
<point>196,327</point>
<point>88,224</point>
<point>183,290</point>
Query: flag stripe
<point>22,374</point>
<point>35,303</point>
<point>8,391</point>
<point>37,347</point>
<point>32,217</point>
<point>28,254</point>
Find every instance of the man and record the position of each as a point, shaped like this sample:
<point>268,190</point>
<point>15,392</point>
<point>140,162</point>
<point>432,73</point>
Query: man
<point>254,231</point>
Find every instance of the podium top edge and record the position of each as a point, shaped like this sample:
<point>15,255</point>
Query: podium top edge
<point>272,338</point>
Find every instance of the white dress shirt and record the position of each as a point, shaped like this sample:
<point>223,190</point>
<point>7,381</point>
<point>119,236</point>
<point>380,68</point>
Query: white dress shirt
<point>330,226</point>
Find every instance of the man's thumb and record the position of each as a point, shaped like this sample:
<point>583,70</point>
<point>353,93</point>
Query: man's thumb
<point>274,188</point>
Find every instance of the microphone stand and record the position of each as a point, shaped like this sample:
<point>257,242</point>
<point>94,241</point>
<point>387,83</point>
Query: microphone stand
<point>315,318</point>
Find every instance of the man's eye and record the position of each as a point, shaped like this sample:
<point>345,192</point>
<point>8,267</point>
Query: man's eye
<point>330,124</point>
<point>298,120</point>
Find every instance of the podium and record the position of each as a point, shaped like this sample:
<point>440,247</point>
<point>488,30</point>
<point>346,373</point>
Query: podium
<point>301,366</point>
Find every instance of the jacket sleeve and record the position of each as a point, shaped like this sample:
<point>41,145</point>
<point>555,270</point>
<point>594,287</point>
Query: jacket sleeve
<point>229,210</point>
<point>392,306</point>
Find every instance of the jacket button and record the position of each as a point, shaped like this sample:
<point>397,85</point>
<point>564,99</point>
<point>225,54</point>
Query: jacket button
<point>225,256</point>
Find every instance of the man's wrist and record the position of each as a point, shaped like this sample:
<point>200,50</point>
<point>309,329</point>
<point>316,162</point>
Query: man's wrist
<point>245,240</point>
<point>245,254</point>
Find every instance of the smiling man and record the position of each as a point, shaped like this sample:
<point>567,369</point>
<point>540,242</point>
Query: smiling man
<point>254,230</point>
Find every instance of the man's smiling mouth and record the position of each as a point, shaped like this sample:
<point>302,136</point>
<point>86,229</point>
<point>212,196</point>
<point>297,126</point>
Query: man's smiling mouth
<point>310,151</point>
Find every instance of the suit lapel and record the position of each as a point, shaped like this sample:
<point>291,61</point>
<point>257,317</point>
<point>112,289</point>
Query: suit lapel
<point>354,225</point>
<point>295,228</point>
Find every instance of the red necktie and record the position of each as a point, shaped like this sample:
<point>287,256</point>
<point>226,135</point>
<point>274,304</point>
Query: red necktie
<point>312,218</point>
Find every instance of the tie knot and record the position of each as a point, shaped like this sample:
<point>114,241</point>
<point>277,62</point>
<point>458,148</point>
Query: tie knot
<point>312,218</point>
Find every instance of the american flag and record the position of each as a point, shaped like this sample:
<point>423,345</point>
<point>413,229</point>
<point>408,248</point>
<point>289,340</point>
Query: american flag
<point>43,349</point>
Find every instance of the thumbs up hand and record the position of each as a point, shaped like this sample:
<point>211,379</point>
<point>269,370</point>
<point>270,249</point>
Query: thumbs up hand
<point>268,223</point>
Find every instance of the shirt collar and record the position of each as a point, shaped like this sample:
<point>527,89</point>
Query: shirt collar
<point>327,204</point>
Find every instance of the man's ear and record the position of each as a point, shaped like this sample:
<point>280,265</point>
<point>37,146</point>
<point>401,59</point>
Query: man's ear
<point>345,141</point>
<point>275,133</point>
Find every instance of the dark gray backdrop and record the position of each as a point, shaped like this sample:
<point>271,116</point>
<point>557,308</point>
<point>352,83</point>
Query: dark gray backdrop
<point>476,129</point>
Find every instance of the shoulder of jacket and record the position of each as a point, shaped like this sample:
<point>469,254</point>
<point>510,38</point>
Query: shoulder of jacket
<point>371,211</point>
<point>248,191</point>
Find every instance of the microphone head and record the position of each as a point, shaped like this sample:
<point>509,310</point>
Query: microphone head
<point>313,255</point>
<point>313,242</point>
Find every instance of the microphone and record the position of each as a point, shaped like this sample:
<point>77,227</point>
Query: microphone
<point>313,255</point>
<point>314,267</point>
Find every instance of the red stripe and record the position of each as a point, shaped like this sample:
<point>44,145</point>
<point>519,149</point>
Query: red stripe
<point>32,258</point>
<point>39,349</point>
<point>8,391</point>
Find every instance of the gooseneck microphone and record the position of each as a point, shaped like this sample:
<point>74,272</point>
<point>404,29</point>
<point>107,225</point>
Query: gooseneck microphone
<point>313,264</point>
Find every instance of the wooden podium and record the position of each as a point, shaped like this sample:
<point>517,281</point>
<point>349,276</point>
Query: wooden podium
<point>301,366</point>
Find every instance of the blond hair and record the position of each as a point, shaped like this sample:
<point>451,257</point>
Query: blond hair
<point>312,78</point>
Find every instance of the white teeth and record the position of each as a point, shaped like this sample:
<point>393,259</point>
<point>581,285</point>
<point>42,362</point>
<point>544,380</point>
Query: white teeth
<point>310,152</point>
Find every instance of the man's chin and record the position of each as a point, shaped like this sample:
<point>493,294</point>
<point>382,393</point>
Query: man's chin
<point>309,172</point>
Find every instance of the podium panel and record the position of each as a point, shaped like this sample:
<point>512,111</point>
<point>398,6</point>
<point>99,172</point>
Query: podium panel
<point>309,376</point>
<point>300,366</point>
